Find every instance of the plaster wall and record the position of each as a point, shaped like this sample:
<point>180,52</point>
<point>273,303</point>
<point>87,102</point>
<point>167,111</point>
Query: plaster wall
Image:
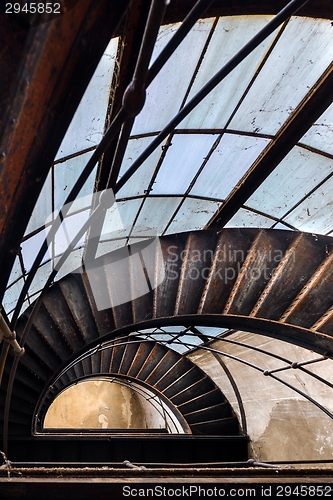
<point>102,404</point>
<point>281,423</point>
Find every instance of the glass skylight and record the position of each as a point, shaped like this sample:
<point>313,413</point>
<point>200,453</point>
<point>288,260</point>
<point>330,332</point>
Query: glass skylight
<point>186,180</point>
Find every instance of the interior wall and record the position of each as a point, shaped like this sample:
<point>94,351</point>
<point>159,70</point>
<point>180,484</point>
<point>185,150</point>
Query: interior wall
<point>282,424</point>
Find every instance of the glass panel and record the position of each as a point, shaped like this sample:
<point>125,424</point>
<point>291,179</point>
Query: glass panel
<point>166,93</point>
<point>161,337</point>
<point>315,213</point>
<point>43,207</point>
<point>16,271</point>
<point>87,126</point>
<point>68,230</point>
<point>303,169</point>
<point>73,262</point>
<point>299,58</point>
<point>180,348</point>
<point>181,163</point>
<point>279,225</point>
<point>66,175</point>
<point>192,340</point>
<point>139,182</point>
<point>11,295</point>
<point>227,165</point>
<point>109,246</point>
<point>211,330</point>
<point>230,35</point>
<point>246,218</point>
<point>193,215</point>
<point>155,214</point>
<point>119,219</point>
<point>31,247</point>
<point>320,135</point>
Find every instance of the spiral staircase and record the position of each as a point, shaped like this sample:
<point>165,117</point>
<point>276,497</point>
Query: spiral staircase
<point>270,282</point>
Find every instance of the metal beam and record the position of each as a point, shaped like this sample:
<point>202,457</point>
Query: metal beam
<point>307,112</point>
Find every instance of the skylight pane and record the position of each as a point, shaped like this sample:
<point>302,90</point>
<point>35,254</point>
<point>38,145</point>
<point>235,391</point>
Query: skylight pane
<point>227,165</point>
<point>190,339</point>
<point>87,127</point>
<point>299,58</point>
<point>43,207</point>
<point>139,182</point>
<point>230,35</point>
<point>279,225</point>
<point>180,348</point>
<point>320,135</point>
<point>119,219</point>
<point>246,218</point>
<point>11,295</point>
<point>315,213</point>
<point>193,215</point>
<point>182,161</point>
<point>155,214</point>
<point>303,171</point>
<point>65,176</point>
<point>167,92</point>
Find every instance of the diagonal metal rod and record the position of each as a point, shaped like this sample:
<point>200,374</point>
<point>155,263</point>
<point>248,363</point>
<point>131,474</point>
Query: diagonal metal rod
<point>280,18</point>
